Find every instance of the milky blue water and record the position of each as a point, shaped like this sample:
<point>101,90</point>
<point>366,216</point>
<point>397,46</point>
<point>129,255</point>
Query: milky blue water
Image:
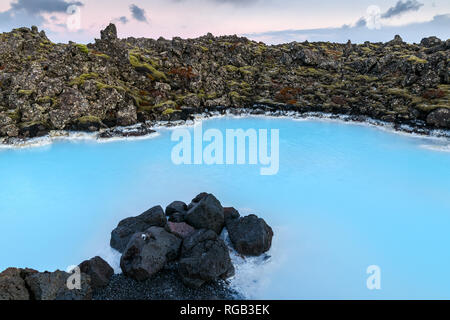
<point>345,197</point>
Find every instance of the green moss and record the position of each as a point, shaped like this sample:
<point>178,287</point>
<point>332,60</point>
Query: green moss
<point>101,86</point>
<point>231,68</point>
<point>416,60</point>
<point>399,92</point>
<point>89,119</point>
<point>25,92</point>
<point>83,48</point>
<point>15,115</point>
<point>47,99</point>
<point>167,104</point>
<point>135,61</point>
<point>169,111</point>
<point>82,78</point>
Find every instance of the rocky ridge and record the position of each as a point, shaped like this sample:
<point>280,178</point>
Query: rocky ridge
<point>121,82</point>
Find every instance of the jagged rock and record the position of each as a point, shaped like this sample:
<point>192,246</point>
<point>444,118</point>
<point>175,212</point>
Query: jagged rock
<point>53,286</point>
<point>204,258</point>
<point>129,226</point>
<point>176,211</point>
<point>397,40</point>
<point>12,284</point>
<point>109,33</point>
<point>148,252</point>
<point>250,235</point>
<point>439,118</point>
<point>206,213</point>
<point>99,270</point>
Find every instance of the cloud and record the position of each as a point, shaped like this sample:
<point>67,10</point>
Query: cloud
<point>123,20</point>
<point>30,12</point>
<point>42,6</point>
<point>359,32</point>
<point>138,13</point>
<point>402,7</point>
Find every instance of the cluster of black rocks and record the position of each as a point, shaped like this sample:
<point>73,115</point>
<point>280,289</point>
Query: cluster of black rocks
<point>178,251</point>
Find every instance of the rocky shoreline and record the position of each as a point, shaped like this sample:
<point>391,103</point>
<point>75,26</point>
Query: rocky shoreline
<point>176,253</point>
<point>150,129</point>
<point>122,82</point>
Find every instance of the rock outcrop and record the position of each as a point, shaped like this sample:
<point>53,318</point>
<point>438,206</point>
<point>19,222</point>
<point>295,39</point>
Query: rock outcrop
<point>120,236</point>
<point>119,82</point>
<point>12,284</point>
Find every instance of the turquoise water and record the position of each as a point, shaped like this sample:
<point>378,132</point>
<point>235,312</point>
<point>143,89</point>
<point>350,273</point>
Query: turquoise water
<point>345,197</point>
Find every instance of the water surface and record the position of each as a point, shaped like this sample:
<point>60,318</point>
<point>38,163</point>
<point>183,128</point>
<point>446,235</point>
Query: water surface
<point>346,197</point>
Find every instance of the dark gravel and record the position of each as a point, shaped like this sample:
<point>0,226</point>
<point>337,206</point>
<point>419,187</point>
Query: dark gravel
<point>165,285</point>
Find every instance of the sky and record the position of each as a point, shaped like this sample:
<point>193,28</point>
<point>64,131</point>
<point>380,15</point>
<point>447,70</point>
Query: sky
<point>270,21</point>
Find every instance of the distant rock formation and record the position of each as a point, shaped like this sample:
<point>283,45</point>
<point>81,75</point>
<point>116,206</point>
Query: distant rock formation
<point>120,82</point>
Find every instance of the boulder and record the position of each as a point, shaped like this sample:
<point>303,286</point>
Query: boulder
<point>230,213</point>
<point>99,270</point>
<point>12,284</point>
<point>176,211</point>
<point>207,213</point>
<point>53,286</point>
<point>129,226</point>
<point>148,252</point>
<point>439,118</point>
<point>430,42</point>
<point>180,229</point>
<point>250,235</point>
<point>204,258</point>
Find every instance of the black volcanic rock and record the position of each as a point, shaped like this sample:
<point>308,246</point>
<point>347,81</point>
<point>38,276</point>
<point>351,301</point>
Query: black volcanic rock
<point>148,252</point>
<point>250,235</point>
<point>12,284</point>
<point>439,118</point>
<point>129,226</point>
<point>109,33</point>
<point>206,212</point>
<point>99,270</point>
<point>176,211</point>
<point>53,286</point>
<point>204,258</point>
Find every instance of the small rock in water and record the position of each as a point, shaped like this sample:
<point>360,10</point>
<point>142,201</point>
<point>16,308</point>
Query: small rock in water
<point>250,235</point>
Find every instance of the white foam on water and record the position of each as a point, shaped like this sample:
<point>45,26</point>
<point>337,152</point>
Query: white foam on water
<point>116,139</point>
<point>435,147</point>
<point>254,274</point>
<point>111,256</point>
